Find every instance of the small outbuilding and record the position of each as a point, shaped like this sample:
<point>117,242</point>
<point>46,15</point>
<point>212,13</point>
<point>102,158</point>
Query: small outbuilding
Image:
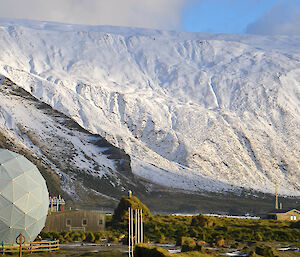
<point>77,220</point>
<point>56,204</point>
<point>291,215</point>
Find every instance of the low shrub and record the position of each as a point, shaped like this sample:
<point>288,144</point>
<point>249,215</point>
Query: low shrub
<point>252,254</point>
<point>142,250</point>
<point>202,221</point>
<point>113,239</point>
<point>90,237</point>
<point>295,224</point>
<point>220,242</point>
<point>265,251</point>
<point>187,244</point>
<point>236,245</point>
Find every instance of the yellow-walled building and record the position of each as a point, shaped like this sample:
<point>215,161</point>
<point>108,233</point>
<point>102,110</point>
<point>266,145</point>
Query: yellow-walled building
<point>77,220</point>
<point>291,215</point>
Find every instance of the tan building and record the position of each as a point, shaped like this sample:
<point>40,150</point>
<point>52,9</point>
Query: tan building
<point>78,220</point>
<point>291,215</point>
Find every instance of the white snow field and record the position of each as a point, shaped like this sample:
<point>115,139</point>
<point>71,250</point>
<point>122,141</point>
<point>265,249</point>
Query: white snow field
<point>194,111</point>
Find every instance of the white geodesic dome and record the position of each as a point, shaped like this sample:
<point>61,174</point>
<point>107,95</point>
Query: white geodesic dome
<point>24,198</point>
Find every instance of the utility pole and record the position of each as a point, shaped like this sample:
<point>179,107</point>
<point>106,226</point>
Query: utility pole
<point>129,232</point>
<point>142,228</point>
<point>138,225</point>
<point>276,197</point>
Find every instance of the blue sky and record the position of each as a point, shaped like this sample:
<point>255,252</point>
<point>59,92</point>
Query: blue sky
<point>223,16</point>
<point>243,16</point>
<point>215,16</point>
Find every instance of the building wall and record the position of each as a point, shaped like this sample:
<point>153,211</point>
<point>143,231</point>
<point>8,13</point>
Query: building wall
<point>79,220</point>
<point>292,215</point>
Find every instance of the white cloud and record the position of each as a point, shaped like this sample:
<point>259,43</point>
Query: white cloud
<point>282,19</point>
<point>162,14</point>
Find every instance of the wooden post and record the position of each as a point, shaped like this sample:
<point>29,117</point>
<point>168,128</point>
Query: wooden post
<point>21,237</point>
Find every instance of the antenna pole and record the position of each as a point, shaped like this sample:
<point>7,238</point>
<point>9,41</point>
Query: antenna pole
<point>129,233</point>
<point>142,228</point>
<point>276,197</point>
<point>132,242</point>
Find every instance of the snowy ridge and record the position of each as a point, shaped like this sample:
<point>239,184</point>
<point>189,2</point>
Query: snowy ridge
<point>74,156</point>
<point>194,111</point>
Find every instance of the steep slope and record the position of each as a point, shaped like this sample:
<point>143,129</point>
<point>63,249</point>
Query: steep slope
<point>83,164</point>
<point>193,111</point>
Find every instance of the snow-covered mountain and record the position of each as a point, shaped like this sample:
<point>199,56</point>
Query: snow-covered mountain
<point>74,162</point>
<point>198,112</point>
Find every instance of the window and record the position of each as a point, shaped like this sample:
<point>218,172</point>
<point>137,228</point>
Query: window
<point>100,222</point>
<point>84,222</point>
<point>293,217</point>
<point>68,222</point>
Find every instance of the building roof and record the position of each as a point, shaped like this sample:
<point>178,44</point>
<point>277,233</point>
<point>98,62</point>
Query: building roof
<point>73,211</point>
<point>275,211</point>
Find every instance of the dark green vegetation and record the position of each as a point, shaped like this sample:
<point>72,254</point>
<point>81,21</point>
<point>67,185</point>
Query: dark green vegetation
<point>295,224</point>
<point>120,217</point>
<point>169,228</point>
<point>195,234</point>
<point>104,237</point>
<point>164,228</point>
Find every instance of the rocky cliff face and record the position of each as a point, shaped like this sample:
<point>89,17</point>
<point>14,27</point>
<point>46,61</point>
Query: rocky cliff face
<point>195,112</point>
